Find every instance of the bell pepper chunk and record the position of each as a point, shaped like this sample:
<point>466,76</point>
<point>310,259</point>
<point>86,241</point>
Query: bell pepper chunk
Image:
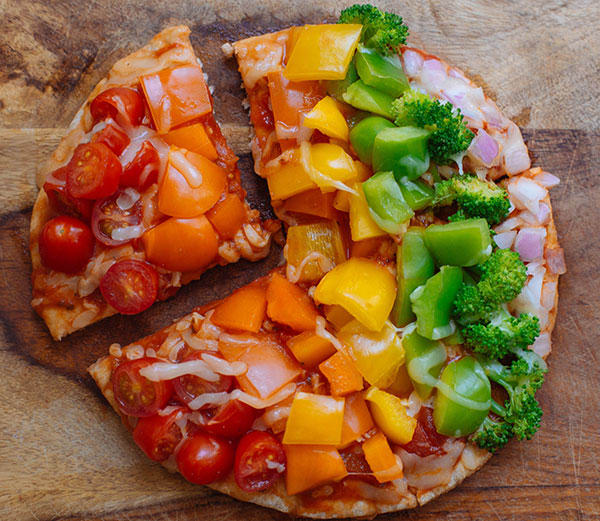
<point>381,72</point>
<point>176,95</point>
<point>323,52</point>
<point>228,216</point>
<point>362,225</point>
<point>310,349</point>
<point>402,150</point>
<point>424,361</point>
<point>386,203</point>
<point>416,193</point>
<point>357,419</point>
<point>288,304</point>
<point>338,316</point>
<point>390,416</point>
<point>363,97</point>
<point>312,202</point>
<point>308,466</point>
<point>402,384</point>
<point>363,288</point>
<point>289,178</point>
<point>243,310</point>
<point>185,245</point>
<point>386,466</point>
<point>362,136</point>
<point>314,419</point>
<point>193,138</point>
<point>327,117</point>
<point>342,375</point>
<point>337,88</point>
<point>330,165</point>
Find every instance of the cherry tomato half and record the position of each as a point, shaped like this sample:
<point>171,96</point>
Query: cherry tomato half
<point>130,286</point>
<point>158,435</point>
<point>142,170</point>
<point>66,244</point>
<point>113,137</point>
<point>189,386</point>
<point>93,172</point>
<point>231,420</point>
<point>60,200</point>
<point>259,461</point>
<point>204,458</point>
<point>135,394</point>
<point>124,105</point>
<point>107,217</point>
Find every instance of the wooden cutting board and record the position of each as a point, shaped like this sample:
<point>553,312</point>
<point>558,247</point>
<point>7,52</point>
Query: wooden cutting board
<point>64,454</point>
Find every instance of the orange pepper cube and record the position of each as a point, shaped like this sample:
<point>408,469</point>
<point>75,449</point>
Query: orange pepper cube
<point>243,310</point>
<point>290,305</point>
<point>309,466</point>
<point>386,466</point>
<point>312,202</point>
<point>310,349</point>
<point>357,419</point>
<point>342,374</point>
<point>228,216</point>
<point>193,138</point>
<point>314,419</point>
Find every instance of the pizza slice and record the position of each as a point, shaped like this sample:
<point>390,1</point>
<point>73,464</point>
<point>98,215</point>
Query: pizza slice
<point>141,196</point>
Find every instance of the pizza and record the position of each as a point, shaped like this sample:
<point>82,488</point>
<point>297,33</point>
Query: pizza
<point>141,196</point>
<point>404,339</point>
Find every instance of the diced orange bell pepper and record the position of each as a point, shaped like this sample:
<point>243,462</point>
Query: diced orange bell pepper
<point>227,216</point>
<point>390,416</point>
<point>366,247</point>
<point>191,184</point>
<point>181,244</point>
<point>288,178</point>
<point>311,465</point>
<point>193,138</point>
<point>401,386</point>
<point>314,418</point>
<point>386,466</point>
<point>289,305</point>
<point>243,310</point>
<point>343,377</point>
<point>327,118</point>
<point>357,419</point>
<point>338,316</point>
<point>312,202</point>
<point>176,95</point>
<point>310,349</point>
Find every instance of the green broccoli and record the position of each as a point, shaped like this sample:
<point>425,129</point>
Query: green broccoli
<point>384,32</point>
<point>449,134</point>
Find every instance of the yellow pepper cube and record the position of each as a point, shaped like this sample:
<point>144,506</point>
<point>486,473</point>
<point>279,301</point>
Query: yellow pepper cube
<point>331,166</point>
<point>362,225</point>
<point>341,201</point>
<point>323,52</point>
<point>314,419</point>
<point>327,117</point>
<point>289,178</point>
<point>338,316</point>
<point>390,416</point>
<point>310,349</point>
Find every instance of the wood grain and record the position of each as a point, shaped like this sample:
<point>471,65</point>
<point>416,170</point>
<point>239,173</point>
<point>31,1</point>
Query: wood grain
<point>64,454</point>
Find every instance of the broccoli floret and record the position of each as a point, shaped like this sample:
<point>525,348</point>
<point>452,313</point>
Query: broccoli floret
<point>470,306</point>
<point>449,134</point>
<point>493,434</point>
<point>474,198</point>
<point>384,32</point>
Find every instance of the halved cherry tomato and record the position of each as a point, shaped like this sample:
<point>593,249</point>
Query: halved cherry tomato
<point>93,172</point>
<point>231,420</point>
<point>142,170</point>
<point>158,435</point>
<point>124,105</point>
<point>107,217</point>
<point>60,200</point>
<point>259,461</point>
<point>113,137</point>
<point>66,244</point>
<point>204,458</point>
<point>130,286</point>
<point>189,386</point>
<point>135,394</point>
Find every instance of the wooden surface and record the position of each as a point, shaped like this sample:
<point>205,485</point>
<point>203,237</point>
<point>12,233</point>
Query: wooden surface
<point>64,454</point>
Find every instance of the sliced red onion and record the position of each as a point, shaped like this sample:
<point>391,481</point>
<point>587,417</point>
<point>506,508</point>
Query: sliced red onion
<point>455,73</point>
<point>413,62</point>
<point>546,179</point>
<point>542,346</point>
<point>555,257</point>
<point>493,116</point>
<point>505,240</point>
<point>484,148</point>
<point>127,233</point>
<point>127,198</point>
<point>508,225</point>
<point>549,294</point>
<point>529,243</point>
<point>433,74</point>
<point>526,194</point>
<point>516,157</point>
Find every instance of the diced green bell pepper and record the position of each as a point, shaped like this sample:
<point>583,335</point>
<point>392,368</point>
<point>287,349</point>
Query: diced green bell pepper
<point>460,243</point>
<point>432,303</point>
<point>402,150</point>
<point>417,194</point>
<point>387,206</point>
<point>382,72</point>
<point>424,361</point>
<point>463,398</point>
<point>363,97</point>
<point>362,136</point>
<point>414,266</point>
<point>337,88</point>
<point>454,339</point>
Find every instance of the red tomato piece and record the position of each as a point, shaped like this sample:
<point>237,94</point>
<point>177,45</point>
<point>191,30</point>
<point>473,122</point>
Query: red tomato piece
<point>107,217</point>
<point>135,394</point>
<point>231,420</point>
<point>426,439</point>
<point>259,461</point>
<point>60,200</point>
<point>204,458</point>
<point>142,171</point>
<point>66,244</point>
<point>130,286</point>
<point>124,105</point>
<point>113,137</point>
<point>158,435</point>
<point>189,386</point>
<point>93,172</point>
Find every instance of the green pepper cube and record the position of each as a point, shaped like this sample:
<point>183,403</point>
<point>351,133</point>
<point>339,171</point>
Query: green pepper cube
<point>362,136</point>
<point>432,303</point>
<point>463,398</point>
<point>387,206</point>
<point>337,88</point>
<point>363,97</point>
<point>382,72</point>
<point>414,266</point>
<point>424,361</point>
<point>460,243</point>
<point>402,150</point>
<point>417,194</point>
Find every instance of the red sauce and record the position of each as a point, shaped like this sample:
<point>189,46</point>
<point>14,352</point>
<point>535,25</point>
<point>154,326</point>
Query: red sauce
<point>426,440</point>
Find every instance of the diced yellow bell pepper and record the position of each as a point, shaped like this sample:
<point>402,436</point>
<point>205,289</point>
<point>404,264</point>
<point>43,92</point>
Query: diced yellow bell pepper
<point>330,165</point>
<point>377,354</point>
<point>363,172</point>
<point>362,225</point>
<point>391,416</point>
<point>338,316</point>
<point>341,201</point>
<point>314,419</point>
<point>363,288</point>
<point>308,466</point>
<point>310,349</point>
<point>289,178</point>
<point>323,52</point>
<point>386,466</point>
<point>327,117</point>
